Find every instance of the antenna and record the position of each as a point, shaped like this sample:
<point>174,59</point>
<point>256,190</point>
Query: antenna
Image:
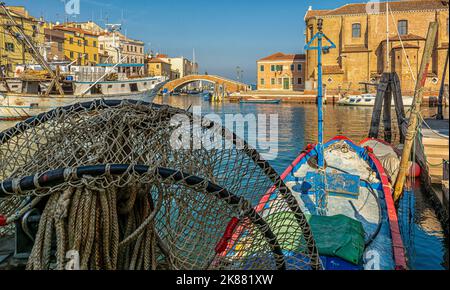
<point>113,28</point>
<point>123,20</point>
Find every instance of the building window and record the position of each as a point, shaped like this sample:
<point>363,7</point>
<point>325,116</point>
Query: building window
<point>102,47</point>
<point>262,82</point>
<point>356,30</point>
<point>403,27</point>
<point>311,32</point>
<point>71,54</point>
<point>272,81</point>
<point>280,81</point>
<point>261,68</point>
<point>60,46</point>
<point>299,67</point>
<point>71,40</point>
<point>95,44</point>
<point>272,68</point>
<point>95,57</point>
<point>86,43</point>
<point>292,67</point>
<point>299,81</point>
<point>279,68</point>
<point>9,46</point>
<point>79,42</point>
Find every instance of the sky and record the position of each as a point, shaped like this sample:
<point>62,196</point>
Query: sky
<point>225,34</point>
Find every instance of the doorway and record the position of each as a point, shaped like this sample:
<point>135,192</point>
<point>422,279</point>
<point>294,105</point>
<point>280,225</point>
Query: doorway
<point>286,84</point>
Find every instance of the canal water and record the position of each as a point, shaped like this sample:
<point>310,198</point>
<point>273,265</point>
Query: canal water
<point>424,236</point>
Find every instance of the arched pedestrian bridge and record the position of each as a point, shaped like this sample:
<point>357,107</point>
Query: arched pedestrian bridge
<point>227,85</point>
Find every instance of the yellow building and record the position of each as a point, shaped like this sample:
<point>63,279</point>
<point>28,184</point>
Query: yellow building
<point>364,50</point>
<point>281,71</point>
<point>80,45</point>
<point>12,50</point>
<point>158,67</point>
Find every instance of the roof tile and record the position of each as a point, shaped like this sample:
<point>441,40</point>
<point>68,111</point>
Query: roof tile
<point>279,56</point>
<point>397,6</point>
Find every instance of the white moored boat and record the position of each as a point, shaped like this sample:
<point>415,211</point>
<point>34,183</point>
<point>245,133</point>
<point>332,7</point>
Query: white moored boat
<point>25,98</point>
<point>368,100</point>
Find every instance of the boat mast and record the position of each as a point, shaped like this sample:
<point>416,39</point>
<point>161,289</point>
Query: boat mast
<point>34,52</point>
<point>321,49</point>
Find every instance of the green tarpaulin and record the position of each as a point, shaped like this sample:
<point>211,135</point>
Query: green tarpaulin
<point>335,236</point>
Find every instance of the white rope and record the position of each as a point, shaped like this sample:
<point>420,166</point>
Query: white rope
<point>403,47</point>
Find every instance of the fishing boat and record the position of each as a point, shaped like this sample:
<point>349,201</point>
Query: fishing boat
<point>260,101</point>
<point>353,196</point>
<point>368,100</point>
<point>346,194</point>
<point>26,99</point>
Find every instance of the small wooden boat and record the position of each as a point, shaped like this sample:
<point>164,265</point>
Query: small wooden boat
<point>260,101</point>
<point>354,220</point>
<point>368,100</point>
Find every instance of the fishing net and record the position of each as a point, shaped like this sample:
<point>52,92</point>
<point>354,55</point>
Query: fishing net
<point>114,189</point>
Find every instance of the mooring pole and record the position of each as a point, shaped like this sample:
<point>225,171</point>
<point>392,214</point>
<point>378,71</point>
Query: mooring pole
<point>415,112</point>
<point>440,114</point>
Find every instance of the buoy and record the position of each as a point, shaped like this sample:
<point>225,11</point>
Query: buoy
<point>3,220</point>
<point>414,170</point>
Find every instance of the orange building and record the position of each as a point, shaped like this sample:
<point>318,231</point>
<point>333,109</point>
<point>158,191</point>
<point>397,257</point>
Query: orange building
<point>282,72</point>
<point>364,50</point>
<point>158,67</point>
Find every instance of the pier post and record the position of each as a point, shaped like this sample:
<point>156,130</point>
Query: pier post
<point>387,121</point>
<point>417,104</point>
<point>376,115</point>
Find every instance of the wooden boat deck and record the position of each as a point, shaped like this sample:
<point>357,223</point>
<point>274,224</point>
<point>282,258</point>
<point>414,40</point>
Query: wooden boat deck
<point>436,147</point>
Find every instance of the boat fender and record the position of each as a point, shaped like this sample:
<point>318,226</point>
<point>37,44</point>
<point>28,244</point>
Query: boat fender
<point>3,221</point>
<point>414,170</point>
<point>227,236</point>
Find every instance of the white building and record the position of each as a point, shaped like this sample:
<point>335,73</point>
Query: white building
<point>183,65</point>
